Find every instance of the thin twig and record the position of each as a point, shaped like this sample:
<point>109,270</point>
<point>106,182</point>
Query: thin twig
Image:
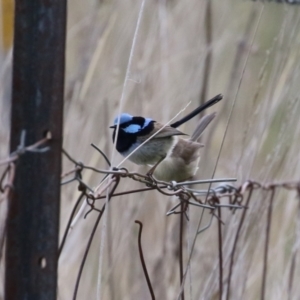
<point>181,247</point>
<point>295,249</point>
<point>208,56</point>
<point>220,254</point>
<point>128,69</point>
<point>266,250</point>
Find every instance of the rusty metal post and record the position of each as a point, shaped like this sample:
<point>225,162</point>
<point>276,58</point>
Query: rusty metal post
<point>37,109</point>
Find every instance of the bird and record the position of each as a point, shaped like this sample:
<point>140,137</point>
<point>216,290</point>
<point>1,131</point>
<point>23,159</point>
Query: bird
<point>171,157</point>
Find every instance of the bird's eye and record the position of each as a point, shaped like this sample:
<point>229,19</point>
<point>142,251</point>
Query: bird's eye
<point>133,128</point>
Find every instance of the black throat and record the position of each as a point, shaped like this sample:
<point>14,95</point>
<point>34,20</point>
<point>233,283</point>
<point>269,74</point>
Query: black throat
<point>127,139</point>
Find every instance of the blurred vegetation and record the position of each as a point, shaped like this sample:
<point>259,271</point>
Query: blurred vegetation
<point>255,61</point>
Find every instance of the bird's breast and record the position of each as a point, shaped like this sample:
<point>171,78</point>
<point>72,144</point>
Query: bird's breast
<point>181,163</point>
<point>151,152</point>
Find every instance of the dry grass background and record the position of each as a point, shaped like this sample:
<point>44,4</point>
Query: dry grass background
<point>262,141</point>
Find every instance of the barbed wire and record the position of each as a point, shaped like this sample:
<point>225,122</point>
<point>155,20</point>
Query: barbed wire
<point>225,195</point>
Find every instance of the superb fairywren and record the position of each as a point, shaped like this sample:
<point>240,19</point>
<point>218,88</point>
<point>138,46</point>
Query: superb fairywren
<point>173,158</point>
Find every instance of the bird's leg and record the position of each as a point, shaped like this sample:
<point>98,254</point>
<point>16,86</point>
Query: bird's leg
<point>151,171</point>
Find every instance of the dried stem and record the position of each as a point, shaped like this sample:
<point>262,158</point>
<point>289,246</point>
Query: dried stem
<point>266,250</point>
<point>220,253</point>
<point>181,227</point>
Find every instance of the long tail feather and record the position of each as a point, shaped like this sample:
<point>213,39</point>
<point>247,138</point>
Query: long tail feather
<point>203,123</point>
<point>198,110</point>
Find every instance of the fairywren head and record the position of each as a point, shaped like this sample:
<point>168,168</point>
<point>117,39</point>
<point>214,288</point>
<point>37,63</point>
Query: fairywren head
<point>130,124</point>
<point>130,127</point>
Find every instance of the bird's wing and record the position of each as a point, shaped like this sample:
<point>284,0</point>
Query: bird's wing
<point>165,132</point>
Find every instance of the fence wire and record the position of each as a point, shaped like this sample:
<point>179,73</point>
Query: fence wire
<point>224,196</point>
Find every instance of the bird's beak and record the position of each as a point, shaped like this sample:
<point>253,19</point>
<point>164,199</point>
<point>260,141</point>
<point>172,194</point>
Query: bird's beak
<point>113,126</point>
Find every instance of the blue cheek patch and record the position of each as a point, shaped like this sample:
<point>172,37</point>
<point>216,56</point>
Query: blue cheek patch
<point>147,121</point>
<point>133,128</point>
